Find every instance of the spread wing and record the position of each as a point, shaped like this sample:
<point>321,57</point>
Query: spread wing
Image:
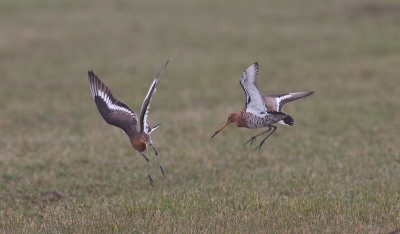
<point>254,99</point>
<point>277,101</point>
<point>113,111</point>
<point>144,112</point>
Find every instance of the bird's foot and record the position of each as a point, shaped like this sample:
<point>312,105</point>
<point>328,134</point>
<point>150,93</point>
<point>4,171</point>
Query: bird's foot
<point>259,145</point>
<point>251,140</point>
<point>162,170</point>
<point>151,180</point>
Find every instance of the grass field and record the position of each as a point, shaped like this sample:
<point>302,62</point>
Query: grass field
<point>64,170</point>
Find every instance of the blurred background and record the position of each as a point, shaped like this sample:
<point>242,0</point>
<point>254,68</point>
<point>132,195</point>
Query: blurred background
<point>345,140</point>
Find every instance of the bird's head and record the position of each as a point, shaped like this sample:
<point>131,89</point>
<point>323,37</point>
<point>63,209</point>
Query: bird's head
<point>147,140</point>
<point>232,118</point>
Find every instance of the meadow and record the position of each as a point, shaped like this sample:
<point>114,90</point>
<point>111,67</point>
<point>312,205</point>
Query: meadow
<point>64,170</point>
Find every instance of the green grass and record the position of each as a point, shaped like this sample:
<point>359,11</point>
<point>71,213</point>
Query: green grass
<point>335,171</point>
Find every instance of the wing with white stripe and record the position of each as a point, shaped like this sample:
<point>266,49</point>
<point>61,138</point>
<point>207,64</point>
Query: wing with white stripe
<point>144,112</point>
<point>111,109</point>
<point>254,99</point>
<point>277,101</point>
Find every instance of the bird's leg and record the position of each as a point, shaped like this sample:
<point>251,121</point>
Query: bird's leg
<point>262,142</point>
<point>254,137</point>
<point>162,170</point>
<point>148,169</point>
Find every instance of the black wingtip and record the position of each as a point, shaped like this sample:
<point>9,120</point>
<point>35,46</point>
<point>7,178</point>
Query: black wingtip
<point>159,74</point>
<point>91,73</point>
<point>256,65</point>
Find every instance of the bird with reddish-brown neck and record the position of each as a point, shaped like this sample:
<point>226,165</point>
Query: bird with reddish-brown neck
<point>121,115</point>
<point>261,111</point>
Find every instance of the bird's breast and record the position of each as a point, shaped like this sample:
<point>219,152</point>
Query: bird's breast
<point>139,145</point>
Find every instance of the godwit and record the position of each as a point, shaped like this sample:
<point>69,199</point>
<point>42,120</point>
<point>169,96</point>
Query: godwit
<point>121,115</point>
<point>261,111</point>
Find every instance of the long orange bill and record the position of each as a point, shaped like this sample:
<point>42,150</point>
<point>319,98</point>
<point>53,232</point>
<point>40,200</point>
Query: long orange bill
<point>223,126</point>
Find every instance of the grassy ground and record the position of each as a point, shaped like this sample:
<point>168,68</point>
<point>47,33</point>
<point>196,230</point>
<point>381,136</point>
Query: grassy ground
<point>63,169</point>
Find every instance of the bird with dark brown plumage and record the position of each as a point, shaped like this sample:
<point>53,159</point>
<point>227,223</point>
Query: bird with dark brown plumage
<point>121,115</point>
<point>261,111</point>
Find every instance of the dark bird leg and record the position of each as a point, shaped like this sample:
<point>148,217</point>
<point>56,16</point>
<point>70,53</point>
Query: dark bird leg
<point>148,170</point>
<point>162,170</point>
<point>262,142</point>
<point>254,137</point>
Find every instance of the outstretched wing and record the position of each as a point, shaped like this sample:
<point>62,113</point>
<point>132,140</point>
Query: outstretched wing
<point>144,112</point>
<point>254,99</point>
<point>113,111</point>
<point>277,101</point>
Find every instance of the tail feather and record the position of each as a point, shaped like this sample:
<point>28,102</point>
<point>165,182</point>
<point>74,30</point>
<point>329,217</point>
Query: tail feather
<point>289,121</point>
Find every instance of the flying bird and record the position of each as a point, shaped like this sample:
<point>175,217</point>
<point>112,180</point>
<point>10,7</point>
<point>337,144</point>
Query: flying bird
<point>261,111</point>
<point>117,113</point>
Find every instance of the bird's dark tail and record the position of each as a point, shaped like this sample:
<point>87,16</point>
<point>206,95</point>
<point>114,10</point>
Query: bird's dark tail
<point>288,120</point>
